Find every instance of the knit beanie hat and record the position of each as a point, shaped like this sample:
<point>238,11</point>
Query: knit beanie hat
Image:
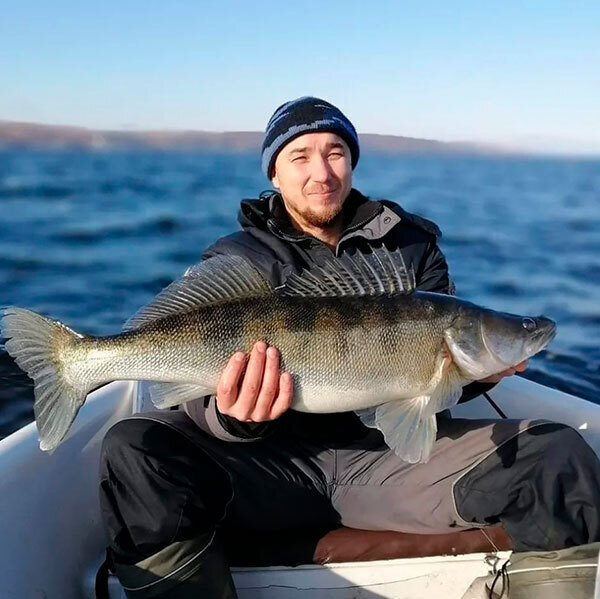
<point>305,115</point>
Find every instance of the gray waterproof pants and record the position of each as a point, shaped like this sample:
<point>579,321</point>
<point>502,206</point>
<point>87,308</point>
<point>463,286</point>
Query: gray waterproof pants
<point>164,480</point>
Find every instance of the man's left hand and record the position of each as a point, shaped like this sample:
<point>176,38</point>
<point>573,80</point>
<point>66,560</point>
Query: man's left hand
<point>496,378</point>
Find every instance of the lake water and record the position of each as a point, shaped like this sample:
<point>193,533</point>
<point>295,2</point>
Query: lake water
<point>88,238</point>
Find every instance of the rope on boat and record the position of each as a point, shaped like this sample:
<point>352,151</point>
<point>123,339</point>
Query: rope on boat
<point>494,405</point>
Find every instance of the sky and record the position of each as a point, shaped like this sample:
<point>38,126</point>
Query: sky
<point>513,72</point>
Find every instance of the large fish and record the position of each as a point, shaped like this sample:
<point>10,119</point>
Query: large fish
<point>354,334</point>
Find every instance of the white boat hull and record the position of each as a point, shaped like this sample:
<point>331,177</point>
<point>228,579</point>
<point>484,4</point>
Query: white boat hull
<point>52,539</point>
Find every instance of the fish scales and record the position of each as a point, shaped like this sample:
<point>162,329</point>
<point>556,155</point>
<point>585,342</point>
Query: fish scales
<point>355,336</point>
<point>363,345</point>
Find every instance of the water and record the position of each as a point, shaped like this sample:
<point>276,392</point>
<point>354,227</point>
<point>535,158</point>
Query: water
<point>89,238</point>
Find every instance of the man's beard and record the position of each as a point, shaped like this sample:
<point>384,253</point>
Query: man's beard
<point>323,219</point>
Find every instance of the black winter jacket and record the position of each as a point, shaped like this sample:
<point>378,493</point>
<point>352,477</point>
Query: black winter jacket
<point>277,249</point>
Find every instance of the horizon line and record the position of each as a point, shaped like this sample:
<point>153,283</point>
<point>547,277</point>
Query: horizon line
<point>481,146</point>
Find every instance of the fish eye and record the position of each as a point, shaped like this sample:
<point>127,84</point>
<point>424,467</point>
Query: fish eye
<point>529,324</point>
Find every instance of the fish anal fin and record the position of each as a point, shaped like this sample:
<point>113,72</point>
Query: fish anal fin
<point>166,395</point>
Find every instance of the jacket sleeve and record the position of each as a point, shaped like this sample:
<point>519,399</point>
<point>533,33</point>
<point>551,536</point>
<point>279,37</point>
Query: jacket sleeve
<point>434,276</point>
<point>204,412</point>
<point>433,273</point>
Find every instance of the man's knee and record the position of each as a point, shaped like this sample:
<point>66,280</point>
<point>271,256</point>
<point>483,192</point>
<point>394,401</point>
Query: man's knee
<point>124,437</point>
<point>550,443</point>
<point>543,452</point>
<point>555,434</point>
<point>558,447</point>
<point>570,463</point>
<point>127,442</point>
<point>136,446</point>
<point>522,481</point>
<point>568,442</point>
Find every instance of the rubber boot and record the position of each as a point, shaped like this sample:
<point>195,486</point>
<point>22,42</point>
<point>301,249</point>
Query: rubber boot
<point>183,570</point>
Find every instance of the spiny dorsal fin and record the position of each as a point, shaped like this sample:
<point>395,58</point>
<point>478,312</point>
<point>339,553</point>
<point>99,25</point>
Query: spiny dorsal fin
<point>380,272</point>
<point>218,279</point>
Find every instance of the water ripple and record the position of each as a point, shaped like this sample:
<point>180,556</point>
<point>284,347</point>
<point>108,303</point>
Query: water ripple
<point>90,237</point>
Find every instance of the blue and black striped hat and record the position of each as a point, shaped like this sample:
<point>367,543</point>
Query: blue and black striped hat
<point>305,115</point>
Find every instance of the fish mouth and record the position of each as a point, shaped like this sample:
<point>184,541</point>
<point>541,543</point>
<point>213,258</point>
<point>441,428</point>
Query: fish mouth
<point>545,333</point>
<point>539,339</point>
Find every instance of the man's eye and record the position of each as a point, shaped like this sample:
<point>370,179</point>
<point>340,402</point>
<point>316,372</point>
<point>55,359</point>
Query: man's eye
<point>336,155</point>
<point>299,158</point>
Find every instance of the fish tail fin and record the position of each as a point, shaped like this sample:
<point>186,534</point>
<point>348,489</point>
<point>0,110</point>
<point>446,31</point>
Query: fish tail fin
<point>408,427</point>
<point>37,345</point>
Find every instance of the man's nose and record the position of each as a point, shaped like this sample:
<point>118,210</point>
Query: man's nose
<point>320,169</point>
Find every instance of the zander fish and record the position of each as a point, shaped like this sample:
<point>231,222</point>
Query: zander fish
<point>354,334</point>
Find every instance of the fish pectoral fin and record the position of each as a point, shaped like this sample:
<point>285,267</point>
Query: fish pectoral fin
<point>408,427</point>
<point>166,395</point>
<point>448,383</point>
<point>445,397</point>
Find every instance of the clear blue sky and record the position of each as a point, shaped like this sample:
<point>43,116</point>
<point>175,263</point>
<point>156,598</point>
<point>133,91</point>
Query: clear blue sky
<point>451,70</point>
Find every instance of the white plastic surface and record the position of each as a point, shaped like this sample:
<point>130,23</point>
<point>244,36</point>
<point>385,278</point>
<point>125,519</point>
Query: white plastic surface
<point>50,530</point>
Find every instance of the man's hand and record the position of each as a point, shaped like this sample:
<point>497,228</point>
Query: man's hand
<point>496,378</point>
<point>259,393</point>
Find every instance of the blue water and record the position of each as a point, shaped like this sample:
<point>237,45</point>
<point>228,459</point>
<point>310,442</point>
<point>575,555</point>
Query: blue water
<point>90,237</point>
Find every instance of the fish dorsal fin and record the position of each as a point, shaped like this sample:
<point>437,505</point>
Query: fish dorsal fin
<point>380,272</point>
<point>216,280</point>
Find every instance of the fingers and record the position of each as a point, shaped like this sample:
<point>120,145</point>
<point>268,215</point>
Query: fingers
<point>496,378</point>
<point>284,399</point>
<point>251,383</point>
<point>227,387</point>
<point>259,392</point>
<point>269,387</point>
<point>521,366</point>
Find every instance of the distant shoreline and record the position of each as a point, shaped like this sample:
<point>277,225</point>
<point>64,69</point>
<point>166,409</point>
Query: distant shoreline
<point>22,135</point>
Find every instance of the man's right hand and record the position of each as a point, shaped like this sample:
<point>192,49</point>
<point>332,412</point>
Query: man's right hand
<point>252,389</point>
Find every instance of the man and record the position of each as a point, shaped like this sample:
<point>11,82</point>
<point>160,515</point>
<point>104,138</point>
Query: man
<point>241,464</point>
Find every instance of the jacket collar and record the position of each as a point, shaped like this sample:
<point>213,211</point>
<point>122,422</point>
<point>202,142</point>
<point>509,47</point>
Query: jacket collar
<point>363,217</point>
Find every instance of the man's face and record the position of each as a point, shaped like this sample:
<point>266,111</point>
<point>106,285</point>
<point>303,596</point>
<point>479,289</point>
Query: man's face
<point>314,176</point>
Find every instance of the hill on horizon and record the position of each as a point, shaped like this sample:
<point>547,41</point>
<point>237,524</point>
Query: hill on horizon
<point>23,135</point>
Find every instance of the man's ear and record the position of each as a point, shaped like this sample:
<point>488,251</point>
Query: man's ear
<point>275,180</point>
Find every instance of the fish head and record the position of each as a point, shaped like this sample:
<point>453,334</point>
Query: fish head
<point>484,342</point>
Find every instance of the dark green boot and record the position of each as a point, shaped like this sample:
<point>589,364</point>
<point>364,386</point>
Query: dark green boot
<point>194,569</point>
